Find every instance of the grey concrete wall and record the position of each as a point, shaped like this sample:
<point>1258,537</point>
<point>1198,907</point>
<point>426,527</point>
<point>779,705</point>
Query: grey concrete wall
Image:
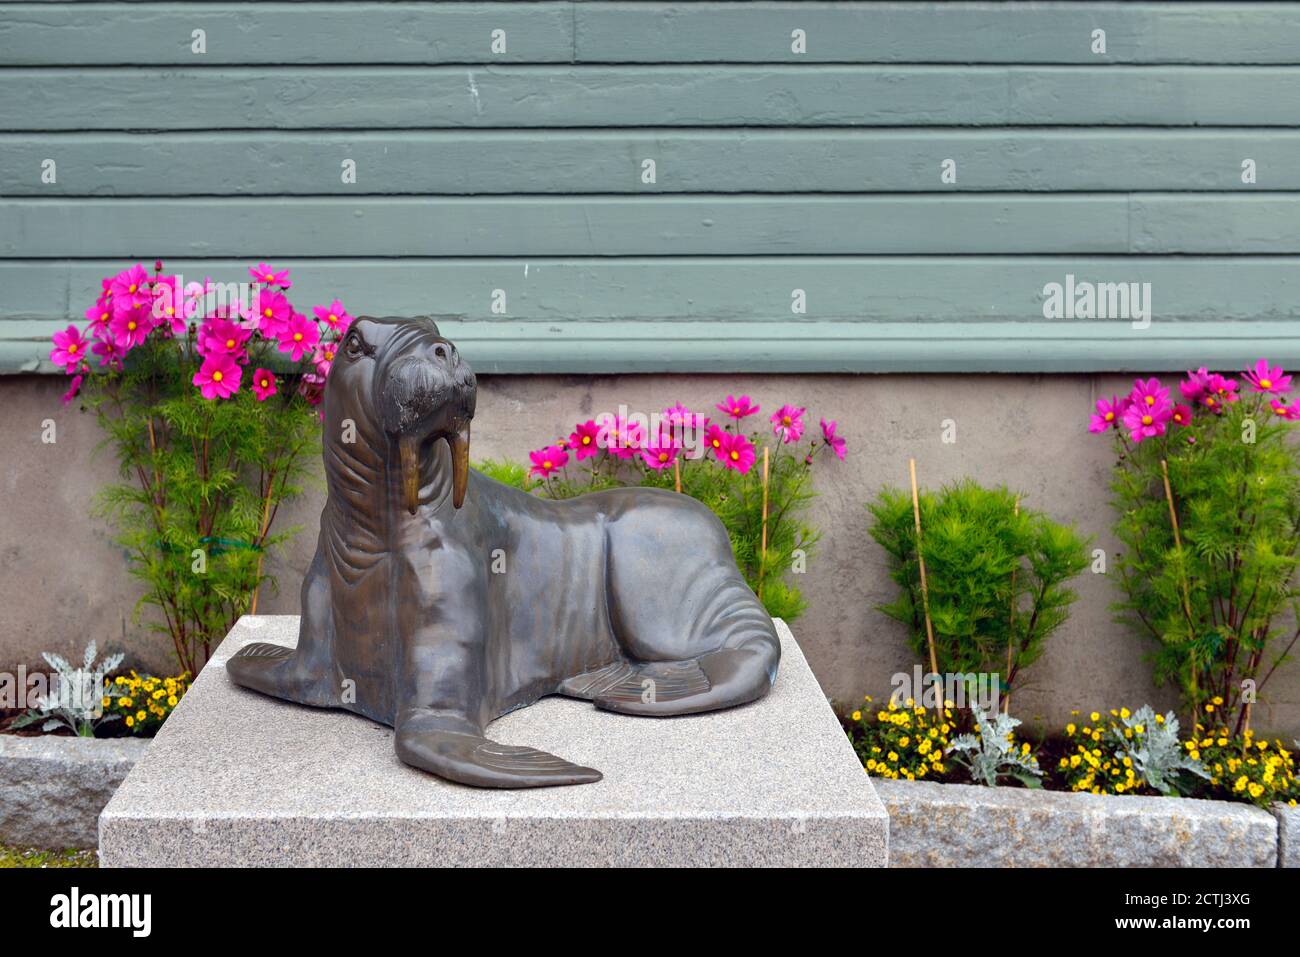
<point>62,581</point>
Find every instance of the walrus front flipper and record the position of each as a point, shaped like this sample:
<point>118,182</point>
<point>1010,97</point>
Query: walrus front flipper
<point>472,759</point>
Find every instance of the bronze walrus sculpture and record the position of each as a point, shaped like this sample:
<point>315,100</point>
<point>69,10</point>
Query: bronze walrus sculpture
<point>629,598</point>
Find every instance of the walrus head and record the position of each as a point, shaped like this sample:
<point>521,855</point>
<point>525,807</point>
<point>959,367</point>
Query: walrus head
<point>421,389</point>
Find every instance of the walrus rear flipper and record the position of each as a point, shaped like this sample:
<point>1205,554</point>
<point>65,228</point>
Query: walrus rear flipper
<point>727,678</point>
<point>474,760</point>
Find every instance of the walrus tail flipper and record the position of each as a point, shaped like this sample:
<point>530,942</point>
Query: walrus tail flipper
<point>742,668</point>
<point>727,678</point>
<point>472,759</point>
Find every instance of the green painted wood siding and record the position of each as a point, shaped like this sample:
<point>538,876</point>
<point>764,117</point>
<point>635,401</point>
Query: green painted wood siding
<point>775,171</point>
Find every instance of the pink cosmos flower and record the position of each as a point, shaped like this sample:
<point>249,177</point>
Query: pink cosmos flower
<point>1149,394</point>
<point>100,315</point>
<point>300,336</point>
<point>787,423</point>
<point>324,357</point>
<point>619,437</point>
<point>130,327</point>
<point>836,444</point>
<point>1283,411</point>
<point>660,453</point>
<point>218,377</point>
<point>547,460</point>
<point>273,313</point>
<point>1264,378</point>
<point>1182,415</point>
<point>73,389</point>
<point>172,305</point>
<point>264,384</point>
<point>1145,422</point>
<point>108,351</point>
<point>268,275</point>
<point>737,452</point>
<point>334,316</point>
<point>222,335</point>
<point>130,288</point>
<point>1219,392</point>
<point>585,440</point>
<point>1194,386</point>
<point>713,440</point>
<point>737,408</point>
<point>312,388</point>
<point>69,349</point>
<point>1106,417</point>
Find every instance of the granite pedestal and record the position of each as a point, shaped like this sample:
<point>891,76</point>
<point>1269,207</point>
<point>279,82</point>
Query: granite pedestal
<point>238,779</point>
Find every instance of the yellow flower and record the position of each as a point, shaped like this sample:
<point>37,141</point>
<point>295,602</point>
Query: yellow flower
<point>141,715</point>
<point>1069,729</point>
<point>1123,712</point>
<point>1196,755</point>
<point>125,701</point>
<point>857,715</point>
<point>1095,716</point>
<point>1209,707</point>
<point>893,756</point>
<point>106,702</point>
<point>904,742</point>
<point>1217,700</point>
<point>171,701</point>
<point>129,721</point>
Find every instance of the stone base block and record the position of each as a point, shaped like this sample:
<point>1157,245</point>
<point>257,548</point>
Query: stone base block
<point>956,825</point>
<point>52,788</point>
<point>236,778</point>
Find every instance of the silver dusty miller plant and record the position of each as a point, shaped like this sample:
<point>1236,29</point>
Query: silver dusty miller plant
<point>990,754</point>
<point>1157,755</point>
<point>75,700</point>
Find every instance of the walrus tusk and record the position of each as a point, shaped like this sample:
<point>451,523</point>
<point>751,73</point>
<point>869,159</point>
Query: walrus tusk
<point>409,447</point>
<point>459,444</point>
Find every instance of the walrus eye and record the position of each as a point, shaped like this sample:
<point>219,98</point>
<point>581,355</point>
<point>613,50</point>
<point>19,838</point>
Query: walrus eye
<point>354,347</point>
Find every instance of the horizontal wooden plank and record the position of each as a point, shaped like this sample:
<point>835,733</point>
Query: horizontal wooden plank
<point>687,161</point>
<point>920,289</point>
<point>42,34</point>
<point>821,346</point>
<point>938,32</point>
<point>906,224</point>
<point>146,98</point>
<point>304,33</point>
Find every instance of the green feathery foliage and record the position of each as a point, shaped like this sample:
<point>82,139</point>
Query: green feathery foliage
<point>973,541</point>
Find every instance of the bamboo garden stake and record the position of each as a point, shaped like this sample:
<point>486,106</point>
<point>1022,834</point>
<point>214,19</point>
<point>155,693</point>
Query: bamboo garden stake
<point>1011,627</point>
<point>925,588</point>
<point>1182,577</point>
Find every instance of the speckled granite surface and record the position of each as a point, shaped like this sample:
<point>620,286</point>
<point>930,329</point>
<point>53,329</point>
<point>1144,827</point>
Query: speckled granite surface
<point>236,778</point>
<point>958,825</point>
